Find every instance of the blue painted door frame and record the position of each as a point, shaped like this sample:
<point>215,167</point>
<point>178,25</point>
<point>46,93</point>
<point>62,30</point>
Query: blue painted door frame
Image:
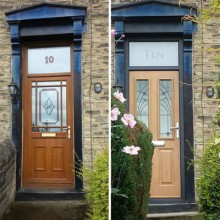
<point>40,21</point>
<point>162,20</point>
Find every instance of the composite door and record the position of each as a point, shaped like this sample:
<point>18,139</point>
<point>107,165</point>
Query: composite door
<point>154,99</point>
<point>47,117</point>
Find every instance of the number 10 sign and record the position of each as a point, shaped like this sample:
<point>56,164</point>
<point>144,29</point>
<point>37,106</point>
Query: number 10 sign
<point>49,60</point>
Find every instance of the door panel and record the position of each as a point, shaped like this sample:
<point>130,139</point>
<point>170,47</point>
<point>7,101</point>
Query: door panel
<point>47,130</point>
<point>154,99</point>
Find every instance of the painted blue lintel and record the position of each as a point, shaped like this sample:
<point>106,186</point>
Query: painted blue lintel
<point>151,8</point>
<point>45,11</point>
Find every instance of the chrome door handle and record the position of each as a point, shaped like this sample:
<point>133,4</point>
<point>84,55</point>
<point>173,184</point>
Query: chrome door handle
<point>177,129</point>
<point>68,131</point>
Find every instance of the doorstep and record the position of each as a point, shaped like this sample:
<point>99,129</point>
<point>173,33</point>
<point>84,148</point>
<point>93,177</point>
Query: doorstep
<point>34,194</point>
<point>174,214</point>
<point>172,208</point>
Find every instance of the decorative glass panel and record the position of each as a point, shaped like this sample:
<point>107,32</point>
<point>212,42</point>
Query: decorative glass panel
<point>153,54</point>
<point>48,106</point>
<point>142,100</point>
<point>49,60</point>
<point>165,108</point>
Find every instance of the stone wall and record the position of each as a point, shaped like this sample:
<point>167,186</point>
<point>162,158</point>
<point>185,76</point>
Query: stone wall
<point>94,69</point>
<point>7,174</point>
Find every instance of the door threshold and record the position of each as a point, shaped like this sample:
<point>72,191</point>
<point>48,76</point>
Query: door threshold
<point>172,208</point>
<point>34,194</point>
<point>174,214</point>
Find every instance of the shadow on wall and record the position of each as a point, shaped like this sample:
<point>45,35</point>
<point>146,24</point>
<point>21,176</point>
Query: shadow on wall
<point>7,175</point>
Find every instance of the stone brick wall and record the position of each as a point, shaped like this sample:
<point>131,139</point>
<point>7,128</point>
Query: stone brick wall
<point>94,69</point>
<point>7,174</point>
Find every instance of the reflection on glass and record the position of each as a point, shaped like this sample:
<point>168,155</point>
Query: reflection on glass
<point>142,101</point>
<point>165,109</point>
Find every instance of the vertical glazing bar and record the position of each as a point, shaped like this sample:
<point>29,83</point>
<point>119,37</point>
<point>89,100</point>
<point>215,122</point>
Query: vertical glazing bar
<point>61,103</point>
<point>36,97</point>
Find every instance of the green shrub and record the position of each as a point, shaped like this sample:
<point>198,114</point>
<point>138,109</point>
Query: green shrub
<point>209,183</point>
<point>131,174</point>
<point>97,182</point>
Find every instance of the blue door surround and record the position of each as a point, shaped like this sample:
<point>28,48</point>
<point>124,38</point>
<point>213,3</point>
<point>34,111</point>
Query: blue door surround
<point>161,20</point>
<point>46,21</point>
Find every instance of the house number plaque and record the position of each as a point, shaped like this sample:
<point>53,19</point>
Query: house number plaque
<point>49,60</point>
<point>153,54</point>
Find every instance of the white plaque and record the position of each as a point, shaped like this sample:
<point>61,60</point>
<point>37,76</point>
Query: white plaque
<point>49,60</point>
<point>153,54</point>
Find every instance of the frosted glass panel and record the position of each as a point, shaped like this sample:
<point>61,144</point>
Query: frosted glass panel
<point>48,102</point>
<point>153,54</point>
<point>165,109</point>
<point>142,100</point>
<point>49,60</point>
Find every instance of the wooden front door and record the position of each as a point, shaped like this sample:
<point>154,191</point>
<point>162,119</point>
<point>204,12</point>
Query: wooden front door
<point>47,118</point>
<point>154,99</point>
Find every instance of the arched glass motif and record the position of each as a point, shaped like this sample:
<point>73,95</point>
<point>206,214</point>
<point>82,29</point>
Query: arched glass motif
<point>142,101</point>
<point>165,109</point>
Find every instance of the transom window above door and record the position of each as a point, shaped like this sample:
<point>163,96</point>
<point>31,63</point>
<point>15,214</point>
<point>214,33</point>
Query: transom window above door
<point>153,54</point>
<point>49,60</point>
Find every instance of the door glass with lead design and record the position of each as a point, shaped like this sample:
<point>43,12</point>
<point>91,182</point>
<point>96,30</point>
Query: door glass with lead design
<point>48,106</point>
<point>165,108</point>
<point>142,101</point>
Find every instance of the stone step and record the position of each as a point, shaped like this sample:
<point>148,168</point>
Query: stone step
<point>176,216</point>
<point>47,210</point>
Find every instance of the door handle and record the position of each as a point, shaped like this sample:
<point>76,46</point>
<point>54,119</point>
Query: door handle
<point>68,131</point>
<point>177,130</point>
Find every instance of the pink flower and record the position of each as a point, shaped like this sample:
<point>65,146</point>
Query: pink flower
<point>113,32</point>
<point>114,114</point>
<point>132,150</point>
<point>119,96</point>
<point>128,120</point>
